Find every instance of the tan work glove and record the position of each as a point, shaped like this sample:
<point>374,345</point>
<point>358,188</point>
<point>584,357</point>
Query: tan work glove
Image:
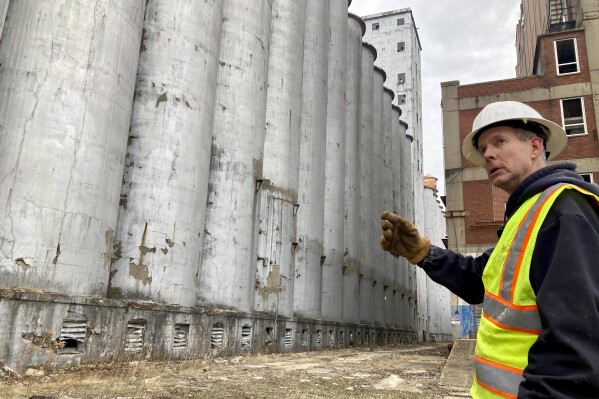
<point>401,238</point>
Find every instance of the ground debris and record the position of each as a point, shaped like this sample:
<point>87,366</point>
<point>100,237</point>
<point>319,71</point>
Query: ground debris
<point>391,372</point>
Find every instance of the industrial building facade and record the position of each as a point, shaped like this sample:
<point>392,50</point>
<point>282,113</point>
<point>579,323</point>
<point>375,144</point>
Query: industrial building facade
<point>558,68</point>
<point>200,180</point>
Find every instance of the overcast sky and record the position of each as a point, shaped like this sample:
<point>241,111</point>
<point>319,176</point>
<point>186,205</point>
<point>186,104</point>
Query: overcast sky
<point>465,40</point>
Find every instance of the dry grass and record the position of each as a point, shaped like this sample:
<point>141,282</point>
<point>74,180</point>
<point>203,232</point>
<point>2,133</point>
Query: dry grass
<point>346,373</point>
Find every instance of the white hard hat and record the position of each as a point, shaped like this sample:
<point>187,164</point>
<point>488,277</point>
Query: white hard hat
<point>504,111</point>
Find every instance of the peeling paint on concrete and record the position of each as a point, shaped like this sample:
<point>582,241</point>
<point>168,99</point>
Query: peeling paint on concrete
<point>22,264</point>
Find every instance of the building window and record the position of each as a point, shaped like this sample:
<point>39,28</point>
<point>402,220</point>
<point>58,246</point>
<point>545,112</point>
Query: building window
<point>573,116</point>
<point>401,46</point>
<point>401,78</point>
<point>566,56</point>
<point>401,99</point>
<point>375,26</point>
<point>400,21</point>
<point>588,177</point>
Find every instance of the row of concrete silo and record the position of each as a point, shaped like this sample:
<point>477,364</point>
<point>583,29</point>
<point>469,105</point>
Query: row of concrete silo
<point>223,154</point>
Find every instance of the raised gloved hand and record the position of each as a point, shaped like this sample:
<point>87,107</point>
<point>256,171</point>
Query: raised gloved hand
<point>401,238</point>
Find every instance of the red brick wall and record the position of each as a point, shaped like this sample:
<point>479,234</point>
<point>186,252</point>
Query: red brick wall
<point>480,199</point>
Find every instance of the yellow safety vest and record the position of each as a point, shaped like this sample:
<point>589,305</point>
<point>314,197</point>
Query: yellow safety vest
<point>510,322</point>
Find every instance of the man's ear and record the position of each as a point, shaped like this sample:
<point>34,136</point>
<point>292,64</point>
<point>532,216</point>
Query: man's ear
<point>537,145</point>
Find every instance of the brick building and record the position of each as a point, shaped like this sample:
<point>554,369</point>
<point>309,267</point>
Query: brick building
<point>562,83</point>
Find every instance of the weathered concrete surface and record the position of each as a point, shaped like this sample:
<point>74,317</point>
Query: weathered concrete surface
<point>458,370</point>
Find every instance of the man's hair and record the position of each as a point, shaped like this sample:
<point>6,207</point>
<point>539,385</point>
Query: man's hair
<point>524,131</point>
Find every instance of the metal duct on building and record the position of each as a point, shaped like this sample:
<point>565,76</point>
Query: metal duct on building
<point>334,210</point>
<point>366,253</point>
<point>310,227</point>
<point>351,265</point>
<point>277,196</point>
<point>66,83</point>
<point>228,274</point>
<point>163,200</point>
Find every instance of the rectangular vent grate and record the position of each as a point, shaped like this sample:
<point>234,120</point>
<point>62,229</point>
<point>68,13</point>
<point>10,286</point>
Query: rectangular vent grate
<point>318,337</point>
<point>216,336</point>
<point>288,337</point>
<point>180,341</point>
<point>135,337</point>
<point>73,330</point>
<point>246,337</point>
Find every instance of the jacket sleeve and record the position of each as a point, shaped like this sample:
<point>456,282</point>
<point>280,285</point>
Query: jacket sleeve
<point>564,361</point>
<point>461,274</point>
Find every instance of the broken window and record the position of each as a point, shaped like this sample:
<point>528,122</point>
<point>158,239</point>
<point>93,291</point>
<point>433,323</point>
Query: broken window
<point>401,46</point>
<point>134,341</point>
<point>305,338</point>
<point>566,56</point>
<point>588,177</point>
<point>180,340</point>
<point>72,337</point>
<point>573,116</point>
<point>375,26</point>
<point>269,338</point>
<point>401,78</point>
<point>400,21</point>
<point>401,99</point>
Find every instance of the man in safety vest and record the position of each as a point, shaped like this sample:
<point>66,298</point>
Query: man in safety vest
<point>539,330</point>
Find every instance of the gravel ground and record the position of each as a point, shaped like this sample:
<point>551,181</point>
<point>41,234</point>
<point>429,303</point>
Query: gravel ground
<point>397,372</point>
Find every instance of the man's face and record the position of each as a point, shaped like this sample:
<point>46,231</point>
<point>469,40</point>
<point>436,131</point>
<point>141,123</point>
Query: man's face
<point>507,159</point>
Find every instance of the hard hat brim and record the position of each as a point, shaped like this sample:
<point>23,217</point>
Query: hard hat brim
<point>557,140</point>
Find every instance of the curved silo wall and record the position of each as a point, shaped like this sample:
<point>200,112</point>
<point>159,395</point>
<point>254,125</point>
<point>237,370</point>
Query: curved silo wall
<point>409,270</point>
<point>307,284</point>
<point>277,195</point>
<point>3,10</point>
<point>351,265</point>
<point>366,254</point>
<point>389,262</point>
<point>398,207</point>
<point>334,210</point>
<point>377,203</point>
<point>227,273</point>
<point>66,83</point>
<point>163,200</point>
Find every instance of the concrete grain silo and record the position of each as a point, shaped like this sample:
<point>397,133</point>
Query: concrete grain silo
<point>3,10</point>
<point>334,209</point>
<point>376,193</point>
<point>163,200</point>
<point>277,194</point>
<point>398,207</point>
<point>366,253</point>
<point>307,283</point>
<point>389,262</point>
<point>351,263</point>
<point>66,83</point>
<point>408,188</point>
<point>227,274</point>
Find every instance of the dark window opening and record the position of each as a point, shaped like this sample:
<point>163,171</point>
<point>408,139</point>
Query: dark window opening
<point>566,57</point>
<point>375,26</point>
<point>401,46</point>
<point>401,78</point>
<point>573,116</point>
<point>400,21</point>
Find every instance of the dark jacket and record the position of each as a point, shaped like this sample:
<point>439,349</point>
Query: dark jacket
<point>564,361</point>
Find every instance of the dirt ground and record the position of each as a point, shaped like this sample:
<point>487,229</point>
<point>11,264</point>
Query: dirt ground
<point>399,372</point>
